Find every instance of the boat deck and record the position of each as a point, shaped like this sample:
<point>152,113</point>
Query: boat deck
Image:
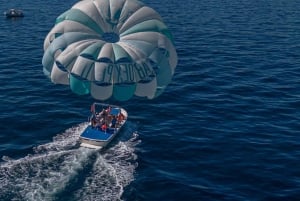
<point>95,134</point>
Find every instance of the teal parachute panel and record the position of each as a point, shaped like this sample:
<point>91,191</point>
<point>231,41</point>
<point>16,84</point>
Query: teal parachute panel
<point>110,49</point>
<point>82,18</point>
<point>124,92</point>
<point>149,26</point>
<point>79,86</point>
<point>121,54</point>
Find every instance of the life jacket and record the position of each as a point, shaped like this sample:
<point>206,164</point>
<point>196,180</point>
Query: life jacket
<point>104,127</point>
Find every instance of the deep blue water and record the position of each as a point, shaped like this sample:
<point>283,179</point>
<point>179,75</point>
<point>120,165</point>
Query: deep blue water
<point>227,127</point>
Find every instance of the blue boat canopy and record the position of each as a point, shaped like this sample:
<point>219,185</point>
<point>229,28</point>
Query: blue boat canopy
<point>115,111</point>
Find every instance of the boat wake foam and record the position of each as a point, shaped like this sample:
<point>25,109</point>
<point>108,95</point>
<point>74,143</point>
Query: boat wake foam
<point>61,170</point>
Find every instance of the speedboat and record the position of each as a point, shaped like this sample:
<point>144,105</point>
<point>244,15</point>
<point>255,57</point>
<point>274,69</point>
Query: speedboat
<point>105,123</point>
<point>11,13</point>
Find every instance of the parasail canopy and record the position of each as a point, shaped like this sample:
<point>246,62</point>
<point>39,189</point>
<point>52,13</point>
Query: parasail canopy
<point>110,49</point>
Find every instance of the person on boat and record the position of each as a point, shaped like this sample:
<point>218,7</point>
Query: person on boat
<point>108,110</point>
<point>103,112</point>
<point>113,122</point>
<point>93,121</point>
<point>102,116</point>
<point>104,127</point>
<point>120,117</point>
<point>99,115</point>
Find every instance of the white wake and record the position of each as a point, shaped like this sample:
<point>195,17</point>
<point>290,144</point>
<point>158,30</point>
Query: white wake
<point>61,170</point>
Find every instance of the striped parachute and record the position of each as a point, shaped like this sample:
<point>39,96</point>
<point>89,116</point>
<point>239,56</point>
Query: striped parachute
<point>110,49</point>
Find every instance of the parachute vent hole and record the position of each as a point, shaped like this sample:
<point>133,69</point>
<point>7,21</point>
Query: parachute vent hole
<point>111,37</point>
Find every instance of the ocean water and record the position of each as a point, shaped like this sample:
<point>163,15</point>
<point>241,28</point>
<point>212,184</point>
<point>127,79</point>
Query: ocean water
<point>226,128</point>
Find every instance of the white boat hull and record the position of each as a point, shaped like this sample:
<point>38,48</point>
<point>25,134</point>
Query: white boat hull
<point>95,137</point>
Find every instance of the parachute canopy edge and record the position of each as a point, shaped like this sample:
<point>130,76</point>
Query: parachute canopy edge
<point>112,49</point>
